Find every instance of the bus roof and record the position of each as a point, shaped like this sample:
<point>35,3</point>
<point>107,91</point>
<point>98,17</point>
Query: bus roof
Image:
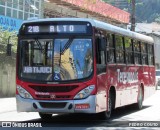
<point>101,25</point>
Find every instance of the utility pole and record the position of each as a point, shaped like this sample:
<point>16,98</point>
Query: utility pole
<point>133,21</point>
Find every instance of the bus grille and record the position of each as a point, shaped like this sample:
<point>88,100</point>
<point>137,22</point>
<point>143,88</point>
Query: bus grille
<point>53,88</point>
<point>52,105</point>
<point>57,96</point>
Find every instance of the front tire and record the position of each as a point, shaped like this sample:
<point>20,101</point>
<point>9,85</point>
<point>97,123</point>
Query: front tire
<point>45,116</point>
<point>107,114</point>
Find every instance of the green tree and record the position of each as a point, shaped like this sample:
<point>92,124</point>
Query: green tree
<point>146,10</point>
<point>6,35</point>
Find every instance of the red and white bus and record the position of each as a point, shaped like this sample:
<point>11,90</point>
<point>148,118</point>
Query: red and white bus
<point>77,65</point>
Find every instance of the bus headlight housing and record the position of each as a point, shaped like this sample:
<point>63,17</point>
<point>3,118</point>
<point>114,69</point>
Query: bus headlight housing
<point>23,93</point>
<point>85,92</point>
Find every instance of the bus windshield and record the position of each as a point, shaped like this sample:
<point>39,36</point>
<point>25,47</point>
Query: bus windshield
<point>56,59</point>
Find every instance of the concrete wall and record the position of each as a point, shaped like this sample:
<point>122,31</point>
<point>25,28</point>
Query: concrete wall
<point>7,76</point>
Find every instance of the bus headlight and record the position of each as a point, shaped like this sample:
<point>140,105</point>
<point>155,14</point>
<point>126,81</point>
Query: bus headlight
<point>85,92</point>
<point>23,93</point>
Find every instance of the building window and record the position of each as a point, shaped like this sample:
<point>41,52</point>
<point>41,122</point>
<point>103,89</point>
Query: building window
<point>20,15</point>
<point>2,2</point>
<point>2,10</point>
<point>15,13</point>
<point>15,4</point>
<point>31,15</point>
<point>9,12</point>
<point>21,9</point>
<point>9,3</point>
<point>26,16</point>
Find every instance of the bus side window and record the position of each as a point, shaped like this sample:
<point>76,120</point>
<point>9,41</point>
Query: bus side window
<point>137,53</point>
<point>150,54</point>
<point>100,42</point>
<point>144,54</point>
<point>119,49</point>
<point>129,51</point>
<point>110,49</point>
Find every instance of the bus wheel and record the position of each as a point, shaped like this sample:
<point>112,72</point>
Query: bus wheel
<point>45,116</point>
<point>139,103</point>
<point>107,114</point>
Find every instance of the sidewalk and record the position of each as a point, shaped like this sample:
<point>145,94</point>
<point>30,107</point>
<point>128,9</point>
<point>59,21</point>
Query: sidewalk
<point>7,104</point>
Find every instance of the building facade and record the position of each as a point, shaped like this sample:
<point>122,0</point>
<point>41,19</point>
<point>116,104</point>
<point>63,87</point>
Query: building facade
<point>13,12</point>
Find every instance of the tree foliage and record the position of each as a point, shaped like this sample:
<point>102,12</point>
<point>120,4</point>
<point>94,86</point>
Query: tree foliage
<point>146,10</point>
<point>6,37</point>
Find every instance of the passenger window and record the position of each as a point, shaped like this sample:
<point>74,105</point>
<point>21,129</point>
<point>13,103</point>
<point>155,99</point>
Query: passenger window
<point>144,54</point>
<point>129,51</point>
<point>100,53</point>
<point>137,53</point>
<point>119,49</point>
<point>150,54</point>
<point>110,49</point>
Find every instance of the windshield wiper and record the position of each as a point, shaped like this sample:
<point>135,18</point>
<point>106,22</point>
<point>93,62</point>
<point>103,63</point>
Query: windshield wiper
<point>39,45</point>
<point>66,46</point>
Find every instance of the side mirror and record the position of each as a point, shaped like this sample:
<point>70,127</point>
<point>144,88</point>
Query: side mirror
<point>9,49</point>
<point>102,44</point>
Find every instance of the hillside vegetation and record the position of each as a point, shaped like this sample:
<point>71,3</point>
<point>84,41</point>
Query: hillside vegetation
<point>146,10</point>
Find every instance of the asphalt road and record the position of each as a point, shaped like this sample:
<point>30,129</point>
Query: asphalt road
<point>121,118</point>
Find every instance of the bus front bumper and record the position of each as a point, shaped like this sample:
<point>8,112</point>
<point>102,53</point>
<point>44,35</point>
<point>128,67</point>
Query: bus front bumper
<point>87,105</point>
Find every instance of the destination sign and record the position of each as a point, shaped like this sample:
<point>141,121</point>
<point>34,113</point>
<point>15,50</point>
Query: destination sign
<point>35,29</point>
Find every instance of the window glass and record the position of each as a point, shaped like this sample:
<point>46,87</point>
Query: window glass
<point>37,59</point>
<point>2,10</point>
<point>150,54</point>
<point>129,51</point>
<point>144,53</point>
<point>119,42</point>
<point>144,47</point>
<point>26,8</point>
<point>21,4</point>
<point>31,15</point>
<point>128,44</point>
<point>15,4</point>
<point>26,15</point>
<point>110,49</point>
<point>137,54</point>
<point>20,15</point>
<point>136,46</point>
<point>2,2</point>
<point>37,5</point>
<point>63,59</point>
<point>37,12</point>
<point>9,3</point>
<point>119,49</point>
<point>110,40</point>
<point>15,13</point>
<point>9,12</point>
